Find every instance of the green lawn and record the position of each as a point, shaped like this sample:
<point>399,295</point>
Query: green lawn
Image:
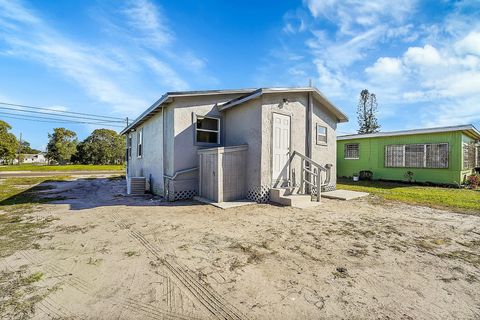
<point>461,200</point>
<point>70,167</point>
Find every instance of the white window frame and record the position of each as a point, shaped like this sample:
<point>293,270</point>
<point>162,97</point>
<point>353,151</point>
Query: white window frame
<point>140,150</point>
<point>477,156</point>
<point>129,146</point>
<point>321,142</point>
<point>403,146</point>
<point>207,130</point>
<point>345,151</point>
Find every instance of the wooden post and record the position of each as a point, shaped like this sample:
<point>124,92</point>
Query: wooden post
<point>302,191</point>
<point>319,185</point>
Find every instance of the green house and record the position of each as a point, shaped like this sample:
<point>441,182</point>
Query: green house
<point>445,155</point>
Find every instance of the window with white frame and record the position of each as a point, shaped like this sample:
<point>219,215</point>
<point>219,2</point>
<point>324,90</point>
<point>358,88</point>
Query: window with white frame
<point>140,143</point>
<point>468,156</point>
<point>477,150</point>
<point>352,151</point>
<point>207,130</point>
<point>129,146</point>
<point>321,134</point>
<point>434,155</point>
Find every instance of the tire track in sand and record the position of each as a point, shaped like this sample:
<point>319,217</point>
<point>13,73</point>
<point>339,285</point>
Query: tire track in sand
<point>201,290</point>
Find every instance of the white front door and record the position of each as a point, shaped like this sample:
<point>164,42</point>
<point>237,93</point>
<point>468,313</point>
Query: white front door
<point>281,147</point>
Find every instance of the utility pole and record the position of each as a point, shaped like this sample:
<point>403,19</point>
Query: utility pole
<point>19,149</point>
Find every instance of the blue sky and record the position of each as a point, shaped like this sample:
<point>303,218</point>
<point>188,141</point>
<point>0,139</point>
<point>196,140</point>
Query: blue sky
<point>421,58</point>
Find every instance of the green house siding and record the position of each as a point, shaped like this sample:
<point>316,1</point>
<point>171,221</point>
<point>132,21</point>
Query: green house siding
<point>372,157</point>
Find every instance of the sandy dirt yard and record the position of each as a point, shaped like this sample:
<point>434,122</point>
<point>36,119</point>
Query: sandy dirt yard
<point>108,256</point>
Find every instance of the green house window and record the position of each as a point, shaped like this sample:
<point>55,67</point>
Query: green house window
<point>469,156</point>
<point>352,151</point>
<point>434,155</point>
<point>477,151</point>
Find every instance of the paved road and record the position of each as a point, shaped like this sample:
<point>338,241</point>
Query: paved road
<point>18,174</point>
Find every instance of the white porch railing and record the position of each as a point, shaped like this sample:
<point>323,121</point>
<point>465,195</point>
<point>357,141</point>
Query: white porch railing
<point>310,174</point>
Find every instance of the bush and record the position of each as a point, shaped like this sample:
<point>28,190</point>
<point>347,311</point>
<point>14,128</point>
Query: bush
<point>473,181</point>
<point>366,175</point>
<point>409,176</point>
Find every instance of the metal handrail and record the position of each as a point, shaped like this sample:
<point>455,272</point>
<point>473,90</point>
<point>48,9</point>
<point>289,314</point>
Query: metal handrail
<point>316,173</point>
<point>308,160</point>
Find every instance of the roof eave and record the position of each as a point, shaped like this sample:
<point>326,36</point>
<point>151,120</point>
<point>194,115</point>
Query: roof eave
<point>341,117</point>
<point>464,128</point>
<point>144,114</point>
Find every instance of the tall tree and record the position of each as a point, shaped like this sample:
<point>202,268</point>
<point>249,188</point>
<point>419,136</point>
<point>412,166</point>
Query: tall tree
<point>8,142</point>
<point>103,146</point>
<point>61,145</point>
<point>26,149</point>
<point>366,113</point>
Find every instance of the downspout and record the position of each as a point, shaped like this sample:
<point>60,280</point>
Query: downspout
<point>307,127</point>
<point>163,152</point>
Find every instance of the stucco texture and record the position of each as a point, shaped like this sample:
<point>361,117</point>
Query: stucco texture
<point>248,123</point>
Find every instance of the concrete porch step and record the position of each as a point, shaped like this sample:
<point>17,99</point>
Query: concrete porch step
<point>289,197</point>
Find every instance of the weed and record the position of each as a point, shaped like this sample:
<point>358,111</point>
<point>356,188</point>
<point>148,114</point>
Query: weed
<point>131,253</point>
<point>235,264</point>
<point>93,261</point>
<point>255,257</point>
<point>466,256</point>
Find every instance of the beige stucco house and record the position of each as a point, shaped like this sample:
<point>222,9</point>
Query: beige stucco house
<point>230,144</point>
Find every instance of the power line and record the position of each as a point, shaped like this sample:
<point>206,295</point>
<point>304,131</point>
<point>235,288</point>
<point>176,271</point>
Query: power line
<point>50,118</point>
<point>60,111</point>
<point>62,121</point>
<point>60,115</point>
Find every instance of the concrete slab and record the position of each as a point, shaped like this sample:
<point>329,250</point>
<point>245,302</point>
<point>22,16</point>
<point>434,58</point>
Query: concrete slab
<point>344,194</point>
<point>224,205</point>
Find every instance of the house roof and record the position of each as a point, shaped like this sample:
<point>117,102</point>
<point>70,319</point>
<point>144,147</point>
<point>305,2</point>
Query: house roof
<point>247,94</point>
<point>469,129</point>
<point>257,93</point>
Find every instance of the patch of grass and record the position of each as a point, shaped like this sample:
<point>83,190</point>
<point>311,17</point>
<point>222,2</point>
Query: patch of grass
<point>131,253</point>
<point>18,197</point>
<point>466,256</point>
<point>18,294</point>
<point>94,261</point>
<point>69,167</point>
<point>460,200</point>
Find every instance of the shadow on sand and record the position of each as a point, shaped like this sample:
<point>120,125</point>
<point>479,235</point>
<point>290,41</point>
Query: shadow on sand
<point>87,193</point>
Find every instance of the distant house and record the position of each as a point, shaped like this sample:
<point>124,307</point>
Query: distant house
<point>38,158</point>
<point>34,158</point>
<point>231,144</point>
<point>439,155</point>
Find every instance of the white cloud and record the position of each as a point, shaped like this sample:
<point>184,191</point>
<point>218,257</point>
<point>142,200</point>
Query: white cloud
<point>166,75</point>
<point>351,14</point>
<point>110,74</point>
<point>147,19</point>
<point>386,66</point>
<point>426,56</point>
<point>469,44</point>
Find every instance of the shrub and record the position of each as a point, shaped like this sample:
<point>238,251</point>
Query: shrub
<point>366,175</point>
<point>473,181</point>
<point>409,176</point>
